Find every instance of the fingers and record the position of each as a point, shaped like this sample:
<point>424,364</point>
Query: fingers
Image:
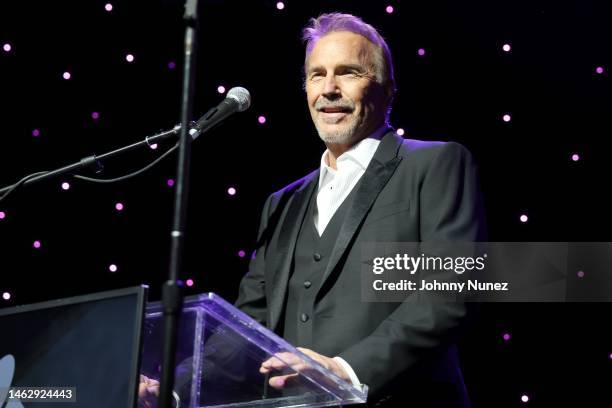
<point>324,361</point>
<point>147,387</point>
<point>281,381</point>
<point>280,361</point>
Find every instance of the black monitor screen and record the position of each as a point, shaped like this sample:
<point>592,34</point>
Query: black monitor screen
<point>88,343</point>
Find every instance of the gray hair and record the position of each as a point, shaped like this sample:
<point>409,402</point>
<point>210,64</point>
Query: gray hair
<point>333,22</point>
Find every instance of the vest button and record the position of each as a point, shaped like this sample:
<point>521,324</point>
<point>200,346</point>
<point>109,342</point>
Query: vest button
<point>317,256</point>
<point>304,317</point>
<point>307,284</point>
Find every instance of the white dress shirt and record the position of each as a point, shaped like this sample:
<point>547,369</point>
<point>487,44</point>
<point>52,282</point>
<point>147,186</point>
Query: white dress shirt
<point>335,186</point>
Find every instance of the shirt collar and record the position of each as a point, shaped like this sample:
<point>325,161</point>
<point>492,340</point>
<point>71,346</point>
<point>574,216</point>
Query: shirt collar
<point>361,153</point>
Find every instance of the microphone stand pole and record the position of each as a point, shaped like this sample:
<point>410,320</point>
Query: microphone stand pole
<point>172,297</point>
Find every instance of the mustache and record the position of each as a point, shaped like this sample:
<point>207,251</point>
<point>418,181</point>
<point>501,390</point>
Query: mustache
<point>344,104</point>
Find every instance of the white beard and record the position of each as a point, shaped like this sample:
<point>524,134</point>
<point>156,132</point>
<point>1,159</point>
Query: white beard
<point>339,136</point>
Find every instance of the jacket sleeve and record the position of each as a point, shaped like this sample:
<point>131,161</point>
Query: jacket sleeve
<point>252,291</point>
<point>451,210</point>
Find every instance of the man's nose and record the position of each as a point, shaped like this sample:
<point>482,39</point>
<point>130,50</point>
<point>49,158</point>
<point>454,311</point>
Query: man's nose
<point>330,87</point>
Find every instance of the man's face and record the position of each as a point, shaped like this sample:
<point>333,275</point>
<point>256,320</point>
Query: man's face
<point>345,101</point>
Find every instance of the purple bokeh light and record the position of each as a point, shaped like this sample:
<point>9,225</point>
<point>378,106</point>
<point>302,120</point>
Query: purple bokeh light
<point>506,336</point>
<point>2,215</point>
<point>261,120</point>
<point>6,296</point>
<point>280,5</point>
<point>36,133</point>
<point>400,132</point>
<point>66,75</point>
<point>95,115</point>
<point>525,398</point>
<point>170,182</point>
<point>189,282</point>
<point>389,9</point>
<point>231,191</point>
<point>506,47</point>
<point>153,146</point>
<point>129,58</point>
<point>575,157</point>
<point>113,268</point>
<point>421,52</point>
<point>599,70</point>
<point>7,47</point>
<point>65,185</point>
<point>524,218</point>
<point>221,89</point>
<point>36,244</point>
<point>171,65</point>
<point>580,274</point>
<point>108,7</point>
<point>507,117</point>
<point>119,207</point>
<point>241,253</point>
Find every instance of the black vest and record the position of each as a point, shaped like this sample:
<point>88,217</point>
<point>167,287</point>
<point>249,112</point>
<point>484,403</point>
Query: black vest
<point>310,261</point>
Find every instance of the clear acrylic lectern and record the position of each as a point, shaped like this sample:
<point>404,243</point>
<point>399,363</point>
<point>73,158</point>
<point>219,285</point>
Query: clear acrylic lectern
<point>220,350</point>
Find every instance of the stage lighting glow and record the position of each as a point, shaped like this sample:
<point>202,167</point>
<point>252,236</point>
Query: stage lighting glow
<point>36,133</point>
<point>95,115</point>
<point>171,65</point>
<point>6,296</point>
<point>7,47</point>
<point>506,336</point>
<point>524,398</point>
<point>65,185</point>
<point>400,132</point>
<point>421,51</point>
<point>67,75</point>
<point>108,7</point>
<point>389,9</point>
<point>575,157</point>
<point>2,215</point>
<point>189,282</point>
<point>280,5</point>
<point>129,58</point>
<point>506,47</point>
<point>241,253</point>
<point>119,206</point>
<point>506,118</point>
<point>36,244</point>
<point>599,70</point>
<point>261,120</point>
<point>170,182</point>
<point>231,191</point>
<point>113,268</point>
<point>221,89</point>
<point>524,218</point>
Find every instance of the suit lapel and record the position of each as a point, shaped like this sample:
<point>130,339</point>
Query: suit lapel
<point>380,169</point>
<point>287,240</point>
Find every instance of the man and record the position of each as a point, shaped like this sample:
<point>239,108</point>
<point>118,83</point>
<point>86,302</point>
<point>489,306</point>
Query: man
<point>372,186</point>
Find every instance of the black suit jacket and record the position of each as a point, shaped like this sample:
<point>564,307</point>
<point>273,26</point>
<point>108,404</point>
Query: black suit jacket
<point>412,191</point>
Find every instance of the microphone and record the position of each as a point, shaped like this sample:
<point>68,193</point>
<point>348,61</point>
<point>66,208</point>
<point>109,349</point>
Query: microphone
<point>238,99</point>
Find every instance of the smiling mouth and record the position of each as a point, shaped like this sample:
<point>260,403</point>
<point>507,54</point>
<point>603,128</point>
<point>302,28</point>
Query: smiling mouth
<point>332,115</point>
<point>334,109</point>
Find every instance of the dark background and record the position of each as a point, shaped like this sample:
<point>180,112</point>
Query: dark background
<point>558,354</point>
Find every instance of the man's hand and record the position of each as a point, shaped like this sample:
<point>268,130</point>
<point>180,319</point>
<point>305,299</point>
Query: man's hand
<point>148,391</point>
<point>292,361</point>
